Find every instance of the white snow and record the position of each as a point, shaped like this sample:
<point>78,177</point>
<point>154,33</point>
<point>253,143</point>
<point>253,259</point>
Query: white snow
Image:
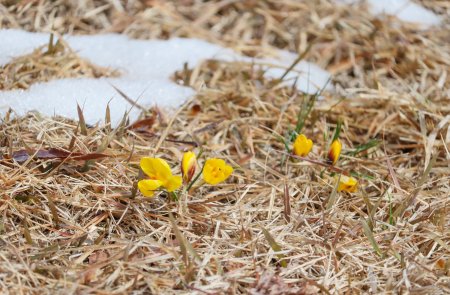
<point>146,67</point>
<point>404,10</point>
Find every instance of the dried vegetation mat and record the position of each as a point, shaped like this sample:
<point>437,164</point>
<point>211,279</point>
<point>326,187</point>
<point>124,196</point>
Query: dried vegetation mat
<point>72,221</point>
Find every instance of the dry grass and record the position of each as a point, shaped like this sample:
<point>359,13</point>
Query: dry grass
<point>71,226</point>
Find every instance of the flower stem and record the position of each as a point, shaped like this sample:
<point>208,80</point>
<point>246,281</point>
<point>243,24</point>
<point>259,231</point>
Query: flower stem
<point>195,179</point>
<point>174,196</point>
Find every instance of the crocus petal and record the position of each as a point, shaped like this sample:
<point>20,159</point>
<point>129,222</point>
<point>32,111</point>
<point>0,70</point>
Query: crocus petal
<point>173,183</point>
<point>148,186</point>
<point>188,166</point>
<point>156,168</point>
<point>227,170</point>
<point>335,151</point>
<point>209,173</point>
<point>302,145</point>
<point>216,171</point>
<point>209,179</point>
<point>347,184</point>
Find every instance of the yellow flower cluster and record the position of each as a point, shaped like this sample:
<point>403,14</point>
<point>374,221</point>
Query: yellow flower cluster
<point>303,146</point>
<point>159,175</point>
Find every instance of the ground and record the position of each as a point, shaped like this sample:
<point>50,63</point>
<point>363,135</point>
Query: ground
<point>72,221</point>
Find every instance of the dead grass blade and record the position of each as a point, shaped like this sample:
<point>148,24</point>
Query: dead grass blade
<point>81,121</point>
<point>185,246</point>
<point>26,232</point>
<point>53,211</point>
<point>287,203</point>
<point>300,57</point>
<point>332,198</point>
<point>275,247</point>
<point>134,103</point>
<point>369,234</point>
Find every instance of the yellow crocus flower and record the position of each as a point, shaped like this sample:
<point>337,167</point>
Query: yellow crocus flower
<point>188,166</point>
<point>335,151</point>
<point>347,184</point>
<point>216,171</point>
<point>302,145</point>
<point>159,174</point>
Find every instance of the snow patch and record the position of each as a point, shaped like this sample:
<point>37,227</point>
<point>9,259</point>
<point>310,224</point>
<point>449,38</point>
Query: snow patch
<point>146,67</point>
<point>404,10</point>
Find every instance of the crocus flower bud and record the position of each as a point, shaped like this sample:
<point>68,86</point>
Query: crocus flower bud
<point>188,166</point>
<point>335,151</point>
